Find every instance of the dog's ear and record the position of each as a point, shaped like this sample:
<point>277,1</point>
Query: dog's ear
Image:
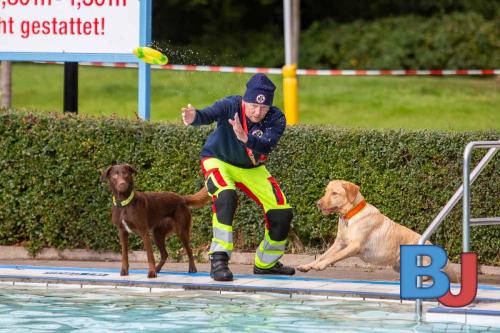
<point>351,191</point>
<point>131,169</point>
<point>105,174</point>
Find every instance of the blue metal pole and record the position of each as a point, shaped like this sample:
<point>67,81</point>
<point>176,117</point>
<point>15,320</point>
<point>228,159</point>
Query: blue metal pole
<point>144,85</point>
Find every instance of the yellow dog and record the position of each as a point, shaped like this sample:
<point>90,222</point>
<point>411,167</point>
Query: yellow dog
<point>363,231</point>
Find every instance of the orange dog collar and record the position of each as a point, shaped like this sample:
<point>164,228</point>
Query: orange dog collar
<point>355,210</point>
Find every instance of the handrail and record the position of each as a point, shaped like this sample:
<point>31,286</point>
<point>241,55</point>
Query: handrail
<point>457,196</point>
<point>463,191</point>
<point>485,221</point>
<point>466,202</point>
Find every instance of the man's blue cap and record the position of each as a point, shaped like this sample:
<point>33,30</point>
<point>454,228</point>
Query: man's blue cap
<point>260,90</point>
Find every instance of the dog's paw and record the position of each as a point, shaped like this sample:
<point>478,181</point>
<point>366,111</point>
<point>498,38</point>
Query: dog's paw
<point>304,268</point>
<point>152,274</point>
<point>320,267</point>
<point>192,270</point>
<point>124,272</point>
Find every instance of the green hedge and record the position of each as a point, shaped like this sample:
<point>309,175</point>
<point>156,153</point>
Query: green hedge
<point>51,195</point>
<point>457,41</point>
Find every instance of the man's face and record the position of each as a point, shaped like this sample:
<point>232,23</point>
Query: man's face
<point>256,112</point>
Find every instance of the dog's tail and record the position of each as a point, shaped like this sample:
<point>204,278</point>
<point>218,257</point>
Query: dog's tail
<point>452,274</point>
<point>198,199</point>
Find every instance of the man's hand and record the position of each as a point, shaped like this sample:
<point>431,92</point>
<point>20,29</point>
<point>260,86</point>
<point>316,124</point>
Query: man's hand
<point>238,129</point>
<point>188,115</point>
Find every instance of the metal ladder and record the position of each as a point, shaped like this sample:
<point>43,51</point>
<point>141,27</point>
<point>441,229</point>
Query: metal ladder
<point>463,191</point>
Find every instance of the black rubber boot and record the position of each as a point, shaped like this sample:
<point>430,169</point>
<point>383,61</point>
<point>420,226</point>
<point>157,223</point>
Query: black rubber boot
<point>278,269</point>
<point>219,271</point>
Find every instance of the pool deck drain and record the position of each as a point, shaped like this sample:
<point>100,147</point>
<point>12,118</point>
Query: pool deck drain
<point>484,311</point>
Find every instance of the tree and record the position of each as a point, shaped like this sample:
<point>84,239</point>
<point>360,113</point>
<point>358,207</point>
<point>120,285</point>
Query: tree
<point>6,84</point>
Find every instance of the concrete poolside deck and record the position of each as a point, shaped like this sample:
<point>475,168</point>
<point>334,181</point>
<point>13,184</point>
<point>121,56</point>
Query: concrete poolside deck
<point>485,311</point>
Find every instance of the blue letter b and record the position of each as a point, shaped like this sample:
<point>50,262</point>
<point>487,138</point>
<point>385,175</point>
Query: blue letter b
<point>410,271</point>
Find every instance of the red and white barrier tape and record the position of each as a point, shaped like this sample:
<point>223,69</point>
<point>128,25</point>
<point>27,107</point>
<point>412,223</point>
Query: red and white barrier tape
<point>311,72</point>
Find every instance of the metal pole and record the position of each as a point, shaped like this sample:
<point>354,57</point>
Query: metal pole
<point>493,145</point>
<point>295,31</point>
<point>290,85</point>
<point>419,308</point>
<point>70,87</point>
<point>485,221</point>
<point>144,73</point>
<point>288,30</point>
<point>466,197</point>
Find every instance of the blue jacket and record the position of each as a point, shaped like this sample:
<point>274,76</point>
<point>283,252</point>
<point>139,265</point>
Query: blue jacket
<point>223,144</point>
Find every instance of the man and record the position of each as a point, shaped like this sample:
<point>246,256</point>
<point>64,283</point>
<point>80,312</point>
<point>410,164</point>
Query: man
<point>248,128</point>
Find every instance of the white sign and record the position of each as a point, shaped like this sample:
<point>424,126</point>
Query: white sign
<point>69,26</point>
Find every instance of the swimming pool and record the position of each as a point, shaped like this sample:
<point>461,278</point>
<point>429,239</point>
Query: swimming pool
<point>68,308</point>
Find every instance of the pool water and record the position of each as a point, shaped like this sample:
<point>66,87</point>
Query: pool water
<point>66,308</point>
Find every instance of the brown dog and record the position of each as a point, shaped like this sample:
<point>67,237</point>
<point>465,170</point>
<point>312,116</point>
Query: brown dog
<point>363,231</point>
<point>139,212</point>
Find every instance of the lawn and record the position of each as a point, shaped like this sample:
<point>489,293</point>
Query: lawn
<point>445,103</point>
